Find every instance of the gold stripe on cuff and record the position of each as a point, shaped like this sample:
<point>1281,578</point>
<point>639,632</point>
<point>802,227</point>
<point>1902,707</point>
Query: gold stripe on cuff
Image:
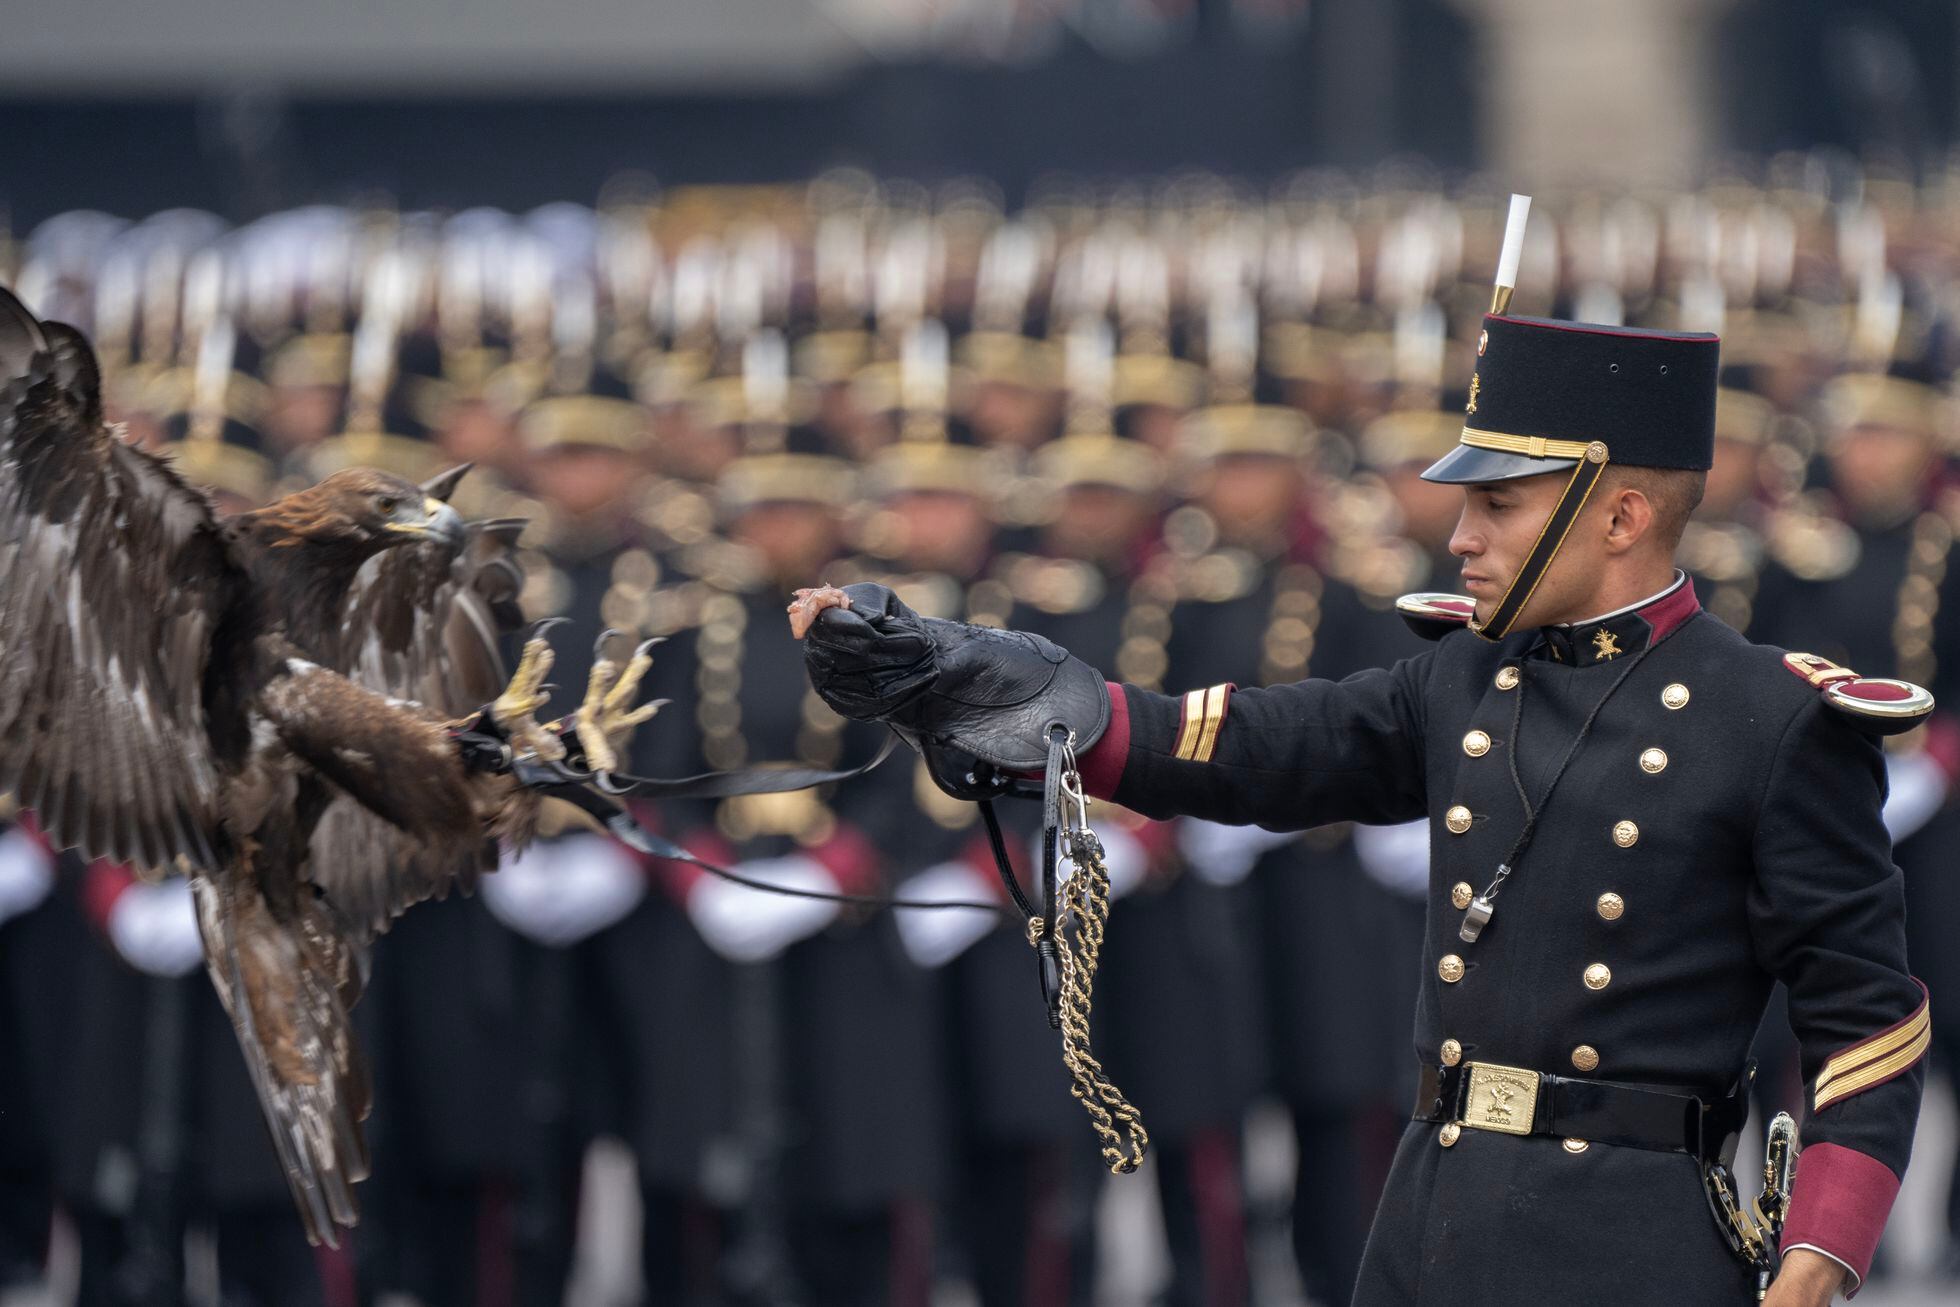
<point>1187,734</point>
<point>1215,699</point>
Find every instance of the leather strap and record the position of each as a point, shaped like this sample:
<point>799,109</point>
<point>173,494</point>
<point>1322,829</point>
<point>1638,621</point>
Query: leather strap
<point>1602,1112</point>
<point>1585,476</point>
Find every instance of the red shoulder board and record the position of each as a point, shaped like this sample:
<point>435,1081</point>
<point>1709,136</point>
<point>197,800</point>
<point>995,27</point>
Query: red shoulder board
<point>1433,616</point>
<point>1874,703</point>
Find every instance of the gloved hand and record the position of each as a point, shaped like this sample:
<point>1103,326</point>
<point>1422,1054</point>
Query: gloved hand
<point>934,937</point>
<point>1218,854</point>
<point>943,685</point>
<point>558,892</point>
<point>26,873</point>
<point>1124,858</point>
<point>1915,789</point>
<point>749,925</point>
<point>154,928</point>
<point>1396,857</point>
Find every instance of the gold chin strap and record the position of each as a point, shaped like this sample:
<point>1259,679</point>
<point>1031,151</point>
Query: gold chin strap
<point>1585,476</point>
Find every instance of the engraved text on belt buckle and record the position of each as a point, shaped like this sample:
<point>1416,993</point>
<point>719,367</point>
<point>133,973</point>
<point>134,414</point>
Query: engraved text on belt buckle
<point>1501,1098</point>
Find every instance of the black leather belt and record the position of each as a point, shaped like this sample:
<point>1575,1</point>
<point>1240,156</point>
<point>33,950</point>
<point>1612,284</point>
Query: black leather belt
<point>1512,1100</point>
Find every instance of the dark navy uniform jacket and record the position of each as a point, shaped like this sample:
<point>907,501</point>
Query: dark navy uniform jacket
<point>1717,830</point>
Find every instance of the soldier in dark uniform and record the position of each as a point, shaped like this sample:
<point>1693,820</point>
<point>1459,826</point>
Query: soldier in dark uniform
<point>1178,989</point>
<point>1638,820</point>
<point>1017,1219</point>
<point>1255,609</point>
<point>832,1089</point>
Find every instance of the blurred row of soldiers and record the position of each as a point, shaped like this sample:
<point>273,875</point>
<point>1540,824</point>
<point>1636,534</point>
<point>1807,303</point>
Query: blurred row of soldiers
<point>1181,439</point>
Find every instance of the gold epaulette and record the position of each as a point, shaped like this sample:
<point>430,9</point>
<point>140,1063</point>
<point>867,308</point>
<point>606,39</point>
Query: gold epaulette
<point>1433,616</point>
<point>1877,704</point>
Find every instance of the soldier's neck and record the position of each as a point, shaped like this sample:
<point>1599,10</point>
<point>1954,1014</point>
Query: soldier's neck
<point>1623,594</point>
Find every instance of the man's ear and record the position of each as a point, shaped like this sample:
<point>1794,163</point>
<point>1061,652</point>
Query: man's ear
<point>1630,518</point>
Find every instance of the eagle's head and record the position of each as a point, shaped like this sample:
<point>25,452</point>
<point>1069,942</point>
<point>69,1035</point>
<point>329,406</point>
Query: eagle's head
<point>363,511</point>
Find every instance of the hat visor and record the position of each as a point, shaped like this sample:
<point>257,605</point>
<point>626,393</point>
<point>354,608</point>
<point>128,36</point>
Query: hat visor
<point>1469,465</point>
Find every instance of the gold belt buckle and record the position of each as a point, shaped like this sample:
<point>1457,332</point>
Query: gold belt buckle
<point>1501,1098</point>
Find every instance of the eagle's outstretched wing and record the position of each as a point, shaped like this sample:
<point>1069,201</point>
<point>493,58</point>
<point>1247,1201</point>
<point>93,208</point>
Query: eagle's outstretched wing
<point>425,625</point>
<point>113,580</point>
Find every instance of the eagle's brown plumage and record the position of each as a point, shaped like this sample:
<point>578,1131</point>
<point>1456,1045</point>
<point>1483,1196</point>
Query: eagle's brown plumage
<point>259,702</point>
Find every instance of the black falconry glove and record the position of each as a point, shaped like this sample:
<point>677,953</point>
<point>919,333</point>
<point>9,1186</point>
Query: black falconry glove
<point>977,703</point>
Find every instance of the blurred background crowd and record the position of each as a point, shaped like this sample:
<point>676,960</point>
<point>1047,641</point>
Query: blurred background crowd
<point>1172,419</point>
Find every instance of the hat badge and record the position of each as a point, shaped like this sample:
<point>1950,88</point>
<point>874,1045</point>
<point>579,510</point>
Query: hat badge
<point>1476,384</point>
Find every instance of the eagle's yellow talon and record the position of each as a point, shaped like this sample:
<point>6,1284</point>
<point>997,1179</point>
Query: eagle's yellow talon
<point>514,708</point>
<point>605,719</point>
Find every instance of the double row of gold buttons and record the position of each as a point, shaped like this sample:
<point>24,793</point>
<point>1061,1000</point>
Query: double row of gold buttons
<point>1610,906</point>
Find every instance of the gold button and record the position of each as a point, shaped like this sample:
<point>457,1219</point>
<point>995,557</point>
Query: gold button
<point>1626,834</point>
<point>1458,820</point>
<point>1476,744</point>
<point>1653,761</point>
<point>1447,1135</point>
<point>1598,976</point>
<point>1576,1145</point>
<point>1461,894</point>
<point>1611,906</point>
<point>1452,1052</point>
<point>1586,1057</point>
<point>1507,678</point>
<point>1451,968</point>
<point>1675,695</point>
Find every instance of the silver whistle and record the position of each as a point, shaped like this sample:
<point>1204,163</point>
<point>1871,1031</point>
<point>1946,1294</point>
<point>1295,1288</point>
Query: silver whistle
<point>1475,918</point>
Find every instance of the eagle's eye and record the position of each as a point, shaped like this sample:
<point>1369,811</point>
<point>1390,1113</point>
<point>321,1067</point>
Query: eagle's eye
<point>387,504</point>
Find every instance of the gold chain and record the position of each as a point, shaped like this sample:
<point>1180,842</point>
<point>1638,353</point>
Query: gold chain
<point>1085,901</point>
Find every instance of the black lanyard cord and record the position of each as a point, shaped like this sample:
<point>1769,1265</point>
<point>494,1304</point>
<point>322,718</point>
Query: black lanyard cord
<point>1531,813</point>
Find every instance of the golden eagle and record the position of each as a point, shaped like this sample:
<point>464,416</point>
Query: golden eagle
<point>263,703</point>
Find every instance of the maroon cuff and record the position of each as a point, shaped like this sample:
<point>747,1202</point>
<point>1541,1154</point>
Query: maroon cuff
<point>1838,1203</point>
<point>1102,766</point>
<point>849,857</point>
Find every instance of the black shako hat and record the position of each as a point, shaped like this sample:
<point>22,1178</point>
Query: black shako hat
<point>1545,393</point>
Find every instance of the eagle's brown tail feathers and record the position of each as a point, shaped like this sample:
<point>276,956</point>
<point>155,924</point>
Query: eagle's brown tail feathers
<point>288,981</point>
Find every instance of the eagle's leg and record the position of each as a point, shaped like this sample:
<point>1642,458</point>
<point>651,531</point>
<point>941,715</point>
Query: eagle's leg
<point>514,709</point>
<point>606,717</point>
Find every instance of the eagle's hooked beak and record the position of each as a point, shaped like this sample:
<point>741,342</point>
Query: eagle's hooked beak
<point>439,522</point>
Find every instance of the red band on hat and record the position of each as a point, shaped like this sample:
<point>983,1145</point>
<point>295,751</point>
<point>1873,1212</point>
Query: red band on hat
<point>1585,329</point>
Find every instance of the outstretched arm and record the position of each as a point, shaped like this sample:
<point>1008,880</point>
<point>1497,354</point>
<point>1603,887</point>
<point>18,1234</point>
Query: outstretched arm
<point>1286,758</point>
<point>1289,757</point>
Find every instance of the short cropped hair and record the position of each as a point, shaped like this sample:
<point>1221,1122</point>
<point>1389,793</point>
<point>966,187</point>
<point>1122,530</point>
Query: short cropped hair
<point>1675,493</point>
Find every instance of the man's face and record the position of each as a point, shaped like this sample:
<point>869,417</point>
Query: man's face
<point>1501,521</point>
